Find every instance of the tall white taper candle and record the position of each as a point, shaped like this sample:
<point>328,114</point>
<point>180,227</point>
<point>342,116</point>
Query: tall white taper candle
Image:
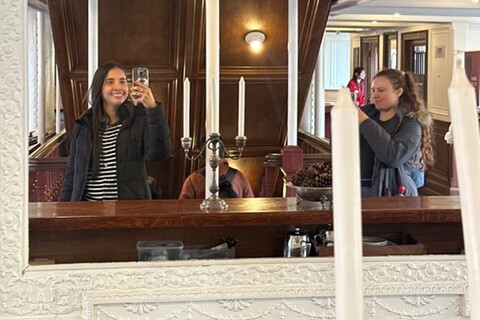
<point>466,141</point>
<point>347,211</point>
<point>212,8</point>
<point>186,108</point>
<point>212,63</point>
<point>215,112</point>
<point>92,40</point>
<point>241,107</point>
<point>292,113</point>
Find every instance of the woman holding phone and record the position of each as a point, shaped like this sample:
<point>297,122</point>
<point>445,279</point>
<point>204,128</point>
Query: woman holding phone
<point>395,136</point>
<point>112,140</point>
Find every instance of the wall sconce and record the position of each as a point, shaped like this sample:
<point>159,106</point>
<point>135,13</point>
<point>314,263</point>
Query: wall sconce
<point>255,39</point>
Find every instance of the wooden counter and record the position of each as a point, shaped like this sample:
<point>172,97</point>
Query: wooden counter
<point>108,231</point>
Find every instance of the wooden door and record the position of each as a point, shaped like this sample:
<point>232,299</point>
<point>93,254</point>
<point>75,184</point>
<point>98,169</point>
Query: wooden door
<point>369,58</point>
<point>390,50</point>
<point>414,58</point>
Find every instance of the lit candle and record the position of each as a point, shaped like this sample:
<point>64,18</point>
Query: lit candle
<point>292,113</point>
<point>186,108</point>
<point>466,139</point>
<point>241,107</point>
<point>347,211</point>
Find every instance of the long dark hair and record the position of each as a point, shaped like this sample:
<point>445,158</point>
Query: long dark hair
<point>356,72</point>
<point>412,103</point>
<point>99,117</point>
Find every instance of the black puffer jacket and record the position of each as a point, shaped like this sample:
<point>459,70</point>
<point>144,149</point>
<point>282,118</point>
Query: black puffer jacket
<point>145,135</point>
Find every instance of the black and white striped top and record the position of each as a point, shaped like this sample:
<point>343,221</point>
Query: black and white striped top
<point>104,185</point>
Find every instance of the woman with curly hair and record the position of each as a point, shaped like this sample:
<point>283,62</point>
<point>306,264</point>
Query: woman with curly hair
<point>395,136</point>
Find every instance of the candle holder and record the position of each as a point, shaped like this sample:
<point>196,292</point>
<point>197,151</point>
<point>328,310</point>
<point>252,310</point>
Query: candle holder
<point>214,142</point>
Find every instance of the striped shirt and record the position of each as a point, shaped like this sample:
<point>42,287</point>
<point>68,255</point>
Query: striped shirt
<point>104,185</point>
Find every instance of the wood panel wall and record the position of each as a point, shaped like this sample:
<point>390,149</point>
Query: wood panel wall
<point>438,179</point>
<point>168,37</point>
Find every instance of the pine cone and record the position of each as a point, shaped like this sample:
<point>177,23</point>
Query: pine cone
<point>317,175</point>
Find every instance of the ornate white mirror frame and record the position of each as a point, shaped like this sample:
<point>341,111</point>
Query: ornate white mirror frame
<point>431,286</point>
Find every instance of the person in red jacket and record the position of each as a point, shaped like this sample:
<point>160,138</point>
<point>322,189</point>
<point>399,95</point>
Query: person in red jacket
<point>357,86</point>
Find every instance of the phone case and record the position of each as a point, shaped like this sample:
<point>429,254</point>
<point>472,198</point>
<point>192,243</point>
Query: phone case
<point>140,74</point>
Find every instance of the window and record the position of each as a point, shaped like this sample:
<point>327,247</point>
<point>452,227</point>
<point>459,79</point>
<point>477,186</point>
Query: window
<point>334,66</point>
<point>41,71</point>
<point>390,50</point>
<point>337,60</point>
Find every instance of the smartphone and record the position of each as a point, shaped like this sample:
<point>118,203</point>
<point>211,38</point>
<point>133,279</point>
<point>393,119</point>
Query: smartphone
<point>140,74</point>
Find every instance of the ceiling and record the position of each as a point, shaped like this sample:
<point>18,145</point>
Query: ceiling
<point>372,16</point>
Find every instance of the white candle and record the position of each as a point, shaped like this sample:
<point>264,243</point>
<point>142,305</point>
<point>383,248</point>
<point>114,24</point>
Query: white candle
<point>212,44</point>
<point>241,107</point>
<point>215,112</point>
<point>347,211</point>
<point>212,8</point>
<point>93,36</point>
<point>292,115</point>
<point>466,139</point>
<point>186,108</point>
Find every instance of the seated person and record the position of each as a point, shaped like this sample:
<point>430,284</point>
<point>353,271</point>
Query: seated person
<point>232,183</point>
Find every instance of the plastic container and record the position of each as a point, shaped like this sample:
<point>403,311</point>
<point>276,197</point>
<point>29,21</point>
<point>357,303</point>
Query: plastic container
<point>223,253</point>
<point>160,250</point>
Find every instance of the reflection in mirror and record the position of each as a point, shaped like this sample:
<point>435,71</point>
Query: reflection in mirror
<point>265,97</point>
<point>47,137</point>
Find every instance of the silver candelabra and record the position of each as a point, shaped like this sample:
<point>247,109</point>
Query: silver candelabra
<point>214,142</point>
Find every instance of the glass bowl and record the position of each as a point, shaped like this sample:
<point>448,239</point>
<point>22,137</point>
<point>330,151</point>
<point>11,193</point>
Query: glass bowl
<point>314,194</point>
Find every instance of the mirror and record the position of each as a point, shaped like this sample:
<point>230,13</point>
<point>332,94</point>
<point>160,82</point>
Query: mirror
<point>132,290</point>
<point>175,50</point>
<point>267,89</point>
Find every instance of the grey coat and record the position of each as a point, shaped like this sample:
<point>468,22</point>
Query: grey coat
<point>396,153</point>
<point>144,135</point>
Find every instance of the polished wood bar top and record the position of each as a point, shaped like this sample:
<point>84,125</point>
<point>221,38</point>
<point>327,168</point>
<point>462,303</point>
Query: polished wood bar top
<point>241,212</point>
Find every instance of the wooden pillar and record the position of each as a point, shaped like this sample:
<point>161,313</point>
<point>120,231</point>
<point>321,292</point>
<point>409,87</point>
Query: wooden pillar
<point>292,161</point>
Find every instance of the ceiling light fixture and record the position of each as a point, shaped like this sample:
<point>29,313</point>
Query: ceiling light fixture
<point>255,39</point>
<point>344,29</point>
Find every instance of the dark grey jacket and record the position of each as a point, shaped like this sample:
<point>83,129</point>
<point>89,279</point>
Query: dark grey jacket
<point>145,135</point>
<point>396,152</point>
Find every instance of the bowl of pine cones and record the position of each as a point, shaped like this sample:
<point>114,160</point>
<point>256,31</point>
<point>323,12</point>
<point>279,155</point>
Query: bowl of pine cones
<point>314,183</point>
